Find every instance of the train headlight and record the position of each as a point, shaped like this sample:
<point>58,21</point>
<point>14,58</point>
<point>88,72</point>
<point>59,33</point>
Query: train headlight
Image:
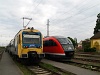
<point>39,47</point>
<point>25,46</point>
<point>69,48</point>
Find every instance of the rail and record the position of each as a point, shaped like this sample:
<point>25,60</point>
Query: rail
<point>39,71</point>
<point>47,69</point>
<point>88,55</point>
<point>87,61</point>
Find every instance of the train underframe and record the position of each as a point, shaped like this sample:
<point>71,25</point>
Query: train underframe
<point>68,56</point>
<point>30,58</point>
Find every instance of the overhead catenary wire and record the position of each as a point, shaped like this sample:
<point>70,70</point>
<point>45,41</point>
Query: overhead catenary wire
<point>70,10</point>
<point>74,15</point>
<point>35,8</point>
<point>80,25</point>
<point>78,13</point>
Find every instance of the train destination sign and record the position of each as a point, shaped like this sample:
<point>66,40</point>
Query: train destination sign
<point>31,36</point>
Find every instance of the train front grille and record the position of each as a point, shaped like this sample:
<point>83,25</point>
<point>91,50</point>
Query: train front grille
<point>69,53</point>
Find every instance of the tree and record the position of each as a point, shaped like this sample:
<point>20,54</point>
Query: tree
<point>86,44</point>
<point>73,41</point>
<point>97,27</point>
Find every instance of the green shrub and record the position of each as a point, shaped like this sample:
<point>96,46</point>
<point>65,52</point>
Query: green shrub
<point>90,49</point>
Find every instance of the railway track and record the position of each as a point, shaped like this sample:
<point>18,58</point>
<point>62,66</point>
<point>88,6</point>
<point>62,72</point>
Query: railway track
<point>87,61</point>
<point>40,70</point>
<point>86,64</point>
<point>37,70</point>
<point>47,70</point>
<point>82,63</point>
<point>88,57</point>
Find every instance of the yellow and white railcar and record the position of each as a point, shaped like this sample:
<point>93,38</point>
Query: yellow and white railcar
<point>28,44</point>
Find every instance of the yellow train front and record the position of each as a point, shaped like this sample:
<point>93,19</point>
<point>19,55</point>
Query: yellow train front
<point>28,45</point>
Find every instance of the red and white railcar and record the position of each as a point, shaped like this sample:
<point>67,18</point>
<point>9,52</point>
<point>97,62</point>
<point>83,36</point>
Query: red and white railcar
<point>58,47</point>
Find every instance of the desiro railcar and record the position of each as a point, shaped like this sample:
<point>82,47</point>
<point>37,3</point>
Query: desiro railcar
<point>58,47</point>
<point>27,45</point>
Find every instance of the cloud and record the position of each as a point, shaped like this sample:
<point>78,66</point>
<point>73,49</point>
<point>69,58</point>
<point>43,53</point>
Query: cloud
<point>70,18</point>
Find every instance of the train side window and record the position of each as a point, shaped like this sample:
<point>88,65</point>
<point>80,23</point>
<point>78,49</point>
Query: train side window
<point>19,39</point>
<point>46,43</point>
<point>52,43</point>
<point>49,43</point>
<point>14,42</point>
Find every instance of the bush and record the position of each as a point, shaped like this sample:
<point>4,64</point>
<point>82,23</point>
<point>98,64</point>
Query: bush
<point>90,49</point>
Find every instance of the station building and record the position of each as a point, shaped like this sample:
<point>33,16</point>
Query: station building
<point>95,41</point>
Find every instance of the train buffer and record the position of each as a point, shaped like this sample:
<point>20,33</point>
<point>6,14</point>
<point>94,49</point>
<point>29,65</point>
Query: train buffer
<point>8,67</point>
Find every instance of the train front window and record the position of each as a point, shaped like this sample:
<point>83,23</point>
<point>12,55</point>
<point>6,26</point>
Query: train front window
<point>66,44</point>
<point>31,39</point>
<point>67,47</point>
<point>64,41</point>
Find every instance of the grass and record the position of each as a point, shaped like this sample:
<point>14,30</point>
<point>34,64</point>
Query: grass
<point>24,69</point>
<point>48,66</point>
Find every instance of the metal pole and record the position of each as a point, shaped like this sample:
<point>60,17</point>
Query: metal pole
<point>48,27</point>
<point>23,22</point>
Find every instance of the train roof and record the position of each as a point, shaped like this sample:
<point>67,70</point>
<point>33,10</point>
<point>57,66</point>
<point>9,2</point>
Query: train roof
<point>27,29</point>
<point>55,37</point>
<point>58,38</point>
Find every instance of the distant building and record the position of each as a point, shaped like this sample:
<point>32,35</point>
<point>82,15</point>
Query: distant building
<point>95,41</point>
<point>80,45</point>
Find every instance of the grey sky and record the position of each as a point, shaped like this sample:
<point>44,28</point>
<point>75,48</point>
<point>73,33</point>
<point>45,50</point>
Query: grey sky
<point>70,18</point>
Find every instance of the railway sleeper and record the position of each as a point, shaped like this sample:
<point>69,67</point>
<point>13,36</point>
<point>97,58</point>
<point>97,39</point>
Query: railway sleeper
<point>39,71</point>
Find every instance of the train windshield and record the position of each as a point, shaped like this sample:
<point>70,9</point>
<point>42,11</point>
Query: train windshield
<point>31,39</point>
<point>64,41</point>
<point>66,44</point>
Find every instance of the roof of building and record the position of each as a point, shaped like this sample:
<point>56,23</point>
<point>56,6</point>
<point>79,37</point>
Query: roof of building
<point>96,36</point>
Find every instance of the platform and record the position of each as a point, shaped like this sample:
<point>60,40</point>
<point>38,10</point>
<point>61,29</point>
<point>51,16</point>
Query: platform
<point>73,69</point>
<point>8,67</point>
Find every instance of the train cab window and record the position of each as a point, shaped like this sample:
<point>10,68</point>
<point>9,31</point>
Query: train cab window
<point>14,43</point>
